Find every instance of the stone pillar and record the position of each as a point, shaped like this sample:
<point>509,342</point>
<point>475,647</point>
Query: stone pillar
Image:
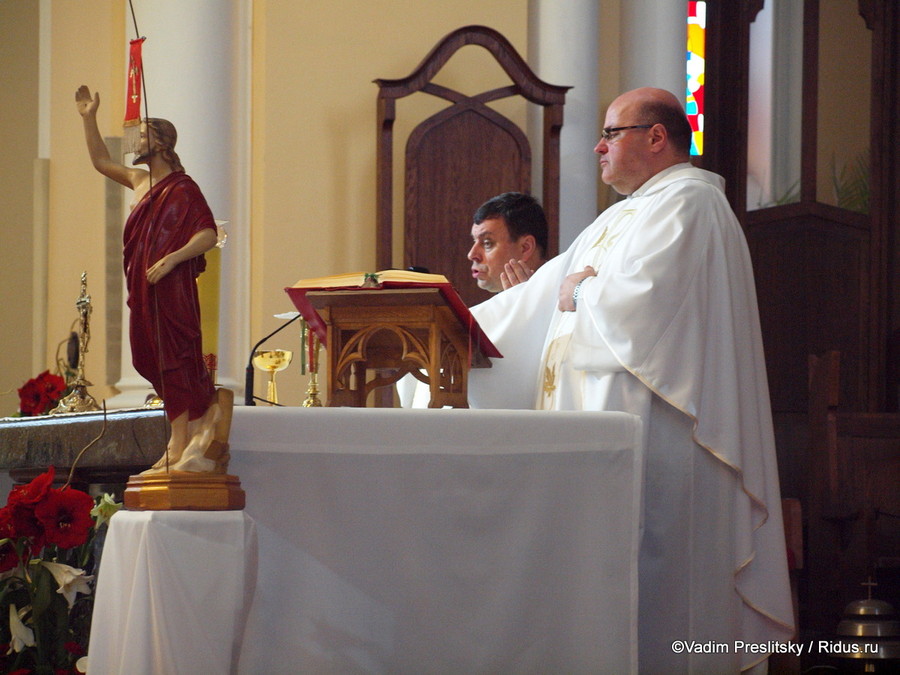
<point>653,45</point>
<point>196,70</point>
<point>563,47</point>
<point>41,198</point>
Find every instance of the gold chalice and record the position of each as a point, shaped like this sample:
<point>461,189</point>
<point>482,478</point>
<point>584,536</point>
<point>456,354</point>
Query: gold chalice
<point>272,361</point>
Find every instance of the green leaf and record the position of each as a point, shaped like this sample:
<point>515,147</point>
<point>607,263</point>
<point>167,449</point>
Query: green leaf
<point>45,588</point>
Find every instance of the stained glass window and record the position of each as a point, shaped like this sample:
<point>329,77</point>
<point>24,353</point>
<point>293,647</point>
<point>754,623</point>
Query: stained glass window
<point>696,71</point>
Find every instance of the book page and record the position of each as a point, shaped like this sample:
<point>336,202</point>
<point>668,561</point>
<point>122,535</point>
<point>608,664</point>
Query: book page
<point>355,279</point>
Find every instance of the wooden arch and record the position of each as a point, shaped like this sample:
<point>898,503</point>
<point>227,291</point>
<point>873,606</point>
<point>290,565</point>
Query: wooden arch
<point>460,157</point>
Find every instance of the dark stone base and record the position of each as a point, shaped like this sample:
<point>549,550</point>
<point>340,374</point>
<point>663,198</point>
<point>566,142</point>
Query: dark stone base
<point>133,440</point>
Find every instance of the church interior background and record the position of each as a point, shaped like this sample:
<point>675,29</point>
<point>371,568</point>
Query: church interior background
<point>275,107</point>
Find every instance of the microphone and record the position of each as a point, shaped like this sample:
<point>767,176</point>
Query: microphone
<point>249,398</point>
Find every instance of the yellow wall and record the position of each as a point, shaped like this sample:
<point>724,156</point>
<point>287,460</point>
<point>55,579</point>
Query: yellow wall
<point>87,41</point>
<point>313,192</point>
<point>313,147</point>
<point>85,47</point>
<point>18,139</point>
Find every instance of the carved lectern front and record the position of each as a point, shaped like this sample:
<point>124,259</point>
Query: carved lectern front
<point>375,336</point>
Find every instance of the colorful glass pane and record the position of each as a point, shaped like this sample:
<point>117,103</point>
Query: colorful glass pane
<point>696,72</point>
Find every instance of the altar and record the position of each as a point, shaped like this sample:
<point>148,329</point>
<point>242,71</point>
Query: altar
<point>391,541</point>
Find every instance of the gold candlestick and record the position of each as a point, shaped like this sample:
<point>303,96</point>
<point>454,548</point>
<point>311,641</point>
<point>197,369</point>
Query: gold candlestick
<point>312,391</point>
<point>79,400</point>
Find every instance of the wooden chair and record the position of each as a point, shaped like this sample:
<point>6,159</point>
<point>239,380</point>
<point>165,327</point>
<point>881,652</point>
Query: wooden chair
<point>460,157</point>
<point>852,497</point>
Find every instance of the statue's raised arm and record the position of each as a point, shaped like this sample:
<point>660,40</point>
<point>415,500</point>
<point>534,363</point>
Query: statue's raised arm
<point>87,107</point>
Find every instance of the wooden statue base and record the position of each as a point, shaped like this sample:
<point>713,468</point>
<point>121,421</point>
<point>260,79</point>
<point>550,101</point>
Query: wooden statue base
<point>184,491</point>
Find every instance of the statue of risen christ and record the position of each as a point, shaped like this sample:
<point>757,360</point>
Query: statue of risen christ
<point>168,231</point>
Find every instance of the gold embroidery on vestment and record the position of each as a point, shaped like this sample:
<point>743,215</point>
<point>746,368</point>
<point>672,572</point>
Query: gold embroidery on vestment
<point>607,238</point>
<point>553,378</point>
<point>549,379</point>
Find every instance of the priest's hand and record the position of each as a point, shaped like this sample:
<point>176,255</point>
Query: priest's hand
<point>566,291</point>
<point>514,273</point>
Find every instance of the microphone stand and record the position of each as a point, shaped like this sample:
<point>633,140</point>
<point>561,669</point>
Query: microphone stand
<point>249,398</point>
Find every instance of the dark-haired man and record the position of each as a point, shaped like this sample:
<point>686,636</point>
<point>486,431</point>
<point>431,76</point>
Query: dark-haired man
<point>509,237</point>
<point>652,311</point>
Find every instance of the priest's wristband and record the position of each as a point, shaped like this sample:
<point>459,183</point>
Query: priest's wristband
<point>577,293</point>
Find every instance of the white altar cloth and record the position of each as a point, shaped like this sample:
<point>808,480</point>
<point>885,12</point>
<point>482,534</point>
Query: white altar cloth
<point>430,541</point>
<point>173,593</point>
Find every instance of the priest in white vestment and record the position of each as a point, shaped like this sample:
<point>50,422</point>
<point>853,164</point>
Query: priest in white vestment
<point>652,311</point>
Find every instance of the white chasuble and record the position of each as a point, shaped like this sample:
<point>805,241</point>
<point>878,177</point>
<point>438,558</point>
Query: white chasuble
<point>561,386</point>
<point>668,330</point>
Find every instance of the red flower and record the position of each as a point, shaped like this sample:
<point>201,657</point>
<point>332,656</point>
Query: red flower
<point>26,524</point>
<point>35,491</point>
<point>19,517</point>
<point>41,394</point>
<point>66,517</point>
<point>74,648</point>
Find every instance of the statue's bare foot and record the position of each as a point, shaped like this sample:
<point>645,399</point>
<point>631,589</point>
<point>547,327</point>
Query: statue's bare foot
<point>207,451</point>
<point>172,454</point>
<point>199,445</point>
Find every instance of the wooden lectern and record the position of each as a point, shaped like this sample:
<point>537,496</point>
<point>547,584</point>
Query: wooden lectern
<point>375,336</point>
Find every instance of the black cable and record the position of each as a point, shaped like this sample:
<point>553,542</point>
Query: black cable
<point>249,398</point>
<point>134,18</point>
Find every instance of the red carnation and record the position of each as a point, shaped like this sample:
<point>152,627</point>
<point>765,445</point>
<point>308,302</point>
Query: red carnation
<point>66,517</point>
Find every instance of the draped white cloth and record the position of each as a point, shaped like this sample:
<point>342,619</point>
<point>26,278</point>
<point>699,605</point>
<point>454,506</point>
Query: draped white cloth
<point>173,593</point>
<point>389,541</point>
<point>668,330</point>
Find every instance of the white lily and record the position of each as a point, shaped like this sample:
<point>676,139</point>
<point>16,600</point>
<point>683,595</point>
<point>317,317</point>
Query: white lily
<point>105,509</point>
<point>21,635</point>
<point>71,580</point>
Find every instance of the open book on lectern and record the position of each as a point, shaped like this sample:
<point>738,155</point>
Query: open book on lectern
<point>307,293</point>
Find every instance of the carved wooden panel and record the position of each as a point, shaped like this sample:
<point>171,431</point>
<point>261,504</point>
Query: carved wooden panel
<point>851,500</point>
<point>460,157</point>
<point>812,293</point>
<point>443,187</point>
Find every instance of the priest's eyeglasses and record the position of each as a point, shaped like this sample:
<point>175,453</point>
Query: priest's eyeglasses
<point>609,134</point>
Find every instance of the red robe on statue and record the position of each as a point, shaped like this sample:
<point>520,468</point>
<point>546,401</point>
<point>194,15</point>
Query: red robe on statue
<point>166,344</point>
